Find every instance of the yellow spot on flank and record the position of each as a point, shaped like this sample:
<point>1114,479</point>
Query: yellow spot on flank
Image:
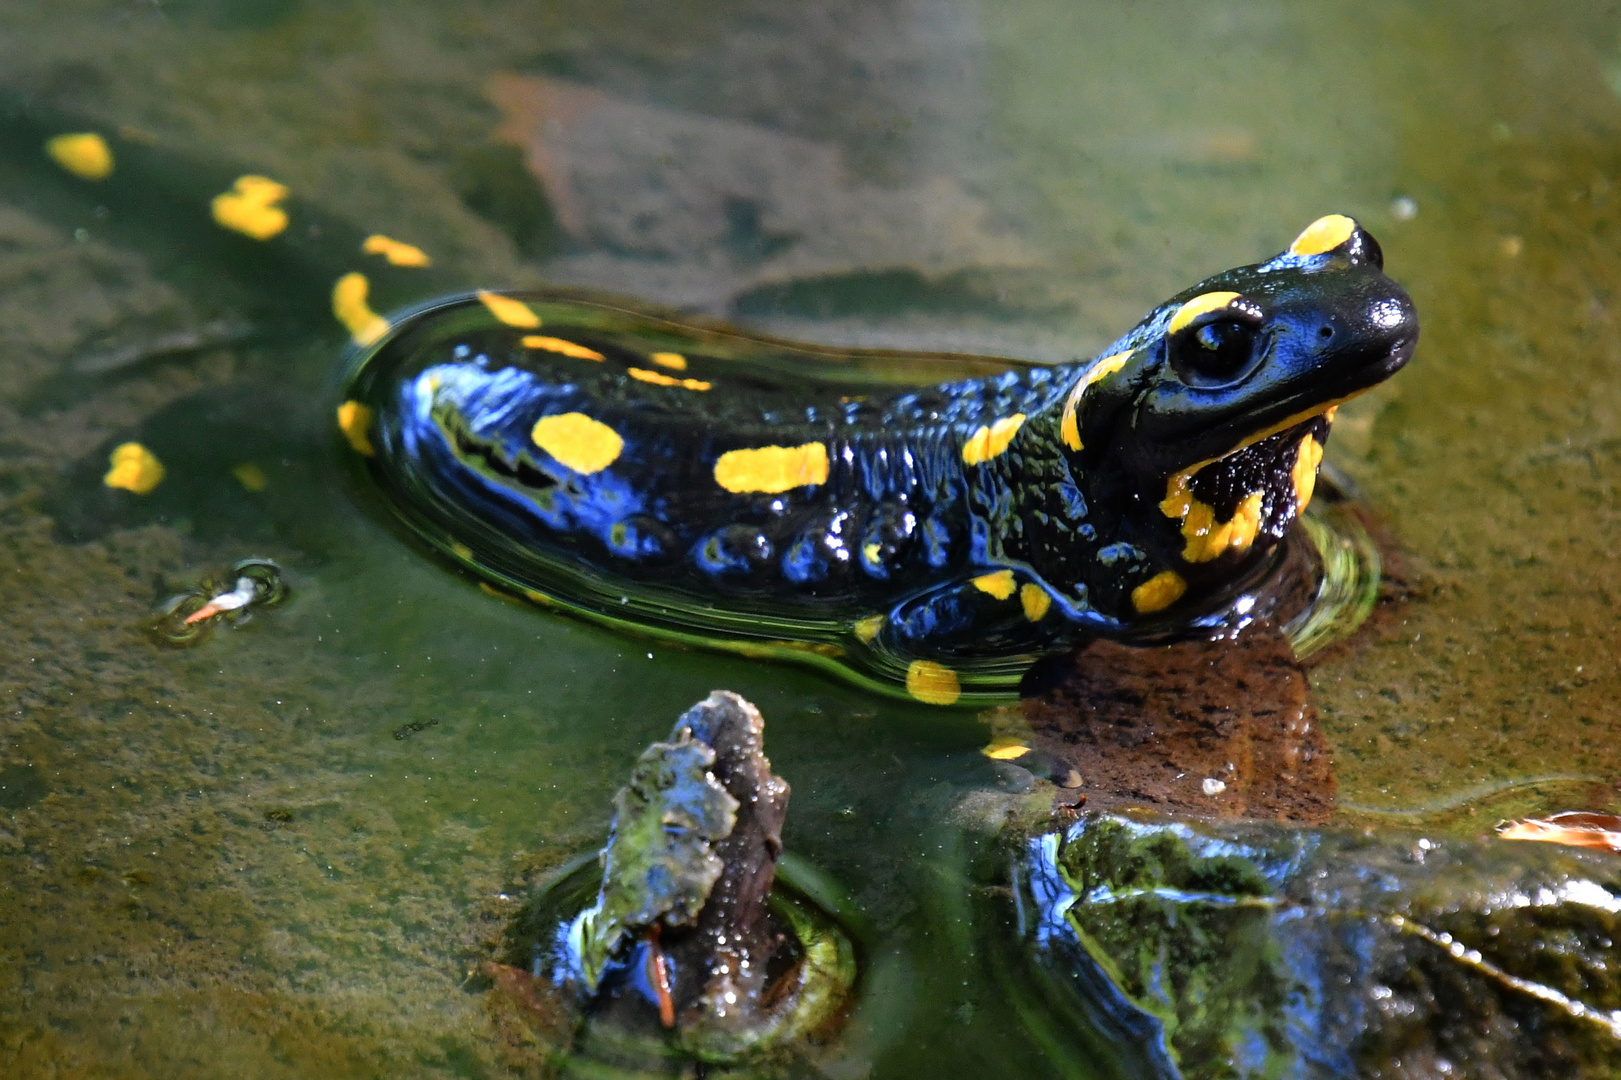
<point>250,207</point>
<point>134,468</point>
<point>251,477</point>
<point>1324,234</point>
<point>986,442</point>
<point>772,470</point>
<point>560,346</point>
<point>672,360</point>
<point>867,629</point>
<point>1210,301</point>
<point>1304,474</point>
<point>84,154</point>
<point>998,583</point>
<point>1207,538</point>
<point>1005,748</point>
<point>396,252</point>
<point>354,420</point>
<point>461,551</point>
<point>658,378</point>
<point>1036,602</point>
<point>578,442</point>
<point>932,683</point>
<point>1160,591</point>
<point>510,311</point>
<point>349,305</point>
<point>1068,427</point>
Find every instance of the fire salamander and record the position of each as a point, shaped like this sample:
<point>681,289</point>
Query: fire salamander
<point>931,523</point>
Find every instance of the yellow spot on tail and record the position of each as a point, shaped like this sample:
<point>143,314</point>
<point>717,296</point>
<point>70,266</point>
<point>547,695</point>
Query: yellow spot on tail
<point>134,468</point>
<point>1160,591</point>
<point>772,470</point>
<point>986,442</point>
<point>397,252</point>
<point>867,629</point>
<point>1207,538</point>
<point>999,583</point>
<point>658,378</point>
<point>349,305</point>
<point>250,207</point>
<point>1210,301</point>
<point>672,360</point>
<point>1304,474</point>
<point>250,476</point>
<point>1324,234</point>
<point>1068,428</point>
<point>510,311</point>
<point>1036,602</point>
<point>577,441</point>
<point>354,420</point>
<point>84,154</point>
<point>932,683</point>
<point>1005,748</point>
<point>560,346</point>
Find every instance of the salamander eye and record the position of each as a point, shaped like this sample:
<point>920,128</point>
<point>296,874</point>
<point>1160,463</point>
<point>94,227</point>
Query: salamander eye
<point>1213,352</point>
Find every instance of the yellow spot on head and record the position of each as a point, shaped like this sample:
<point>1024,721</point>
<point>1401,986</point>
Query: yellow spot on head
<point>772,470</point>
<point>134,468</point>
<point>1210,301</point>
<point>354,420</point>
<point>986,442</point>
<point>932,683</point>
<point>867,629</point>
<point>396,252</point>
<point>251,476</point>
<point>1304,474</point>
<point>349,305</point>
<point>999,583</point>
<point>1206,538</point>
<point>1036,602</point>
<point>1005,748</point>
<point>672,360</point>
<point>658,378</point>
<point>1160,591</point>
<point>1324,234</point>
<point>578,442</point>
<point>1068,428</point>
<point>84,154</point>
<point>510,311</point>
<point>250,207</point>
<point>560,346</point>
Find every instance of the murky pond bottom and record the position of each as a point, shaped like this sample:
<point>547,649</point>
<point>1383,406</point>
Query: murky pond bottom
<point>285,851</point>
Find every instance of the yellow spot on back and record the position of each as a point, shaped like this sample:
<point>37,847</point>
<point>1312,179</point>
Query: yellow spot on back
<point>999,583</point>
<point>867,629</point>
<point>396,252</point>
<point>1304,474</point>
<point>510,311</point>
<point>134,468</point>
<point>1160,591</point>
<point>560,346</point>
<point>672,360</point>
<point>1206,538</point>
<point>578,442</point>
<point>932,683</point>
<point>250,207</point>
<point>84,154</point>
<point>1005,748</point>
<point>349,305</point>
<point>1036,601</point>
<point>1068,428</point>
<point>772,469</point>
<point>1210,301</point>
<point>658,378</point>
<point>251,476</point>
<point>354,420</point>
<point>1324,234</point>
<point>986,442</point>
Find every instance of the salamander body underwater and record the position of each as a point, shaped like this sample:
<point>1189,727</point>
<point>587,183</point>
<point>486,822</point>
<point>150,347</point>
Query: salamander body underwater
<point>932,523</point>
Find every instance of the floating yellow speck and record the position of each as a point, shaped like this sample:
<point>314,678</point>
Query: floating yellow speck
<point>354,420</point>
<point>1324,234</point>
<point>999,583</point>
<point>134,468</point>
<point>561,346</point>
<point>349,305</point>
<point>658,378</point>
<point>772,469</point>
<point>1005,748</point>
<point>251,476</point>
<point>1036,602</point>
<point>1304,474</point>
<point>1068,428</point>
<point>250,207</point>
<point>986,442</point>
<point>84,154</point>
<point>1160,591</point>
<point>672,360</point>
<point>1210,301</point>
<point>932,683</point>
<point>867,629</point>
<point>510,311</point>
<point>397,252</point>
<point>578,442</point>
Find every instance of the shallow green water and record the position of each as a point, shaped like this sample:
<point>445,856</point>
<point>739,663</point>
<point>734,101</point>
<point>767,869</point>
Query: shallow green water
<point>223,861</point>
